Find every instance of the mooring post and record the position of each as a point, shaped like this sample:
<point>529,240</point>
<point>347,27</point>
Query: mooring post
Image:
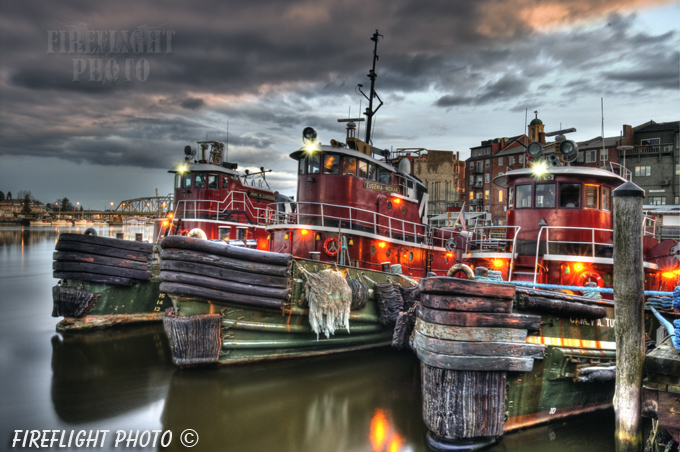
<point>629,312</point>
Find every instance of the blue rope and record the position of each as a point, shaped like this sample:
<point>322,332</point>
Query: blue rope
<point>676,298</point>
<point>676,338</point>
<point>579,288</point>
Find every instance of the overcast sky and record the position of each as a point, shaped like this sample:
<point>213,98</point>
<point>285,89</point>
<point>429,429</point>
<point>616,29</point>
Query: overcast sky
<point>98,99</point>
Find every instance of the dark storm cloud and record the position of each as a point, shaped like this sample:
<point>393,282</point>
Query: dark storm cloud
<point>275,67</point>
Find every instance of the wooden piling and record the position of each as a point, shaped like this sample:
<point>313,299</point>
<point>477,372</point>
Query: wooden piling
<point>629,313</point>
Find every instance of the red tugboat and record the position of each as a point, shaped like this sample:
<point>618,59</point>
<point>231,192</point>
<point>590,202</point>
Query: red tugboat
<point>358,210</point>
<point>214,201</point>
<point>559,226</point>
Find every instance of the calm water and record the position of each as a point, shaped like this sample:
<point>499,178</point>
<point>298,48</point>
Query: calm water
<point>122,379</point>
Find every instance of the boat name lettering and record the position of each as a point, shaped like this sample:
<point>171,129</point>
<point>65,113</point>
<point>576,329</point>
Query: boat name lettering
<point>381,187</point>
<point>254,194</point>
<point>599,322</point>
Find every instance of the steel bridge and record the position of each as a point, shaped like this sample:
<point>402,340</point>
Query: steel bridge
<point>155,205</point>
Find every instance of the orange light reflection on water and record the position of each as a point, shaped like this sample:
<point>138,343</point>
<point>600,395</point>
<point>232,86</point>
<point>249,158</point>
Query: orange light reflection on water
<point>383,437</point>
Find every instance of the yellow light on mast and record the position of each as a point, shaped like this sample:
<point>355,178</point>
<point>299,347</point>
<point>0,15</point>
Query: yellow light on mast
<point>539,168</point>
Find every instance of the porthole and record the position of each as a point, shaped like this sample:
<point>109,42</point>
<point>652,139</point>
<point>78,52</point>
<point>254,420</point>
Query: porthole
<point>373,250</point>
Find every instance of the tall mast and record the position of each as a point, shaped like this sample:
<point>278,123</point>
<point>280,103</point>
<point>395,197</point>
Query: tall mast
<point>372,75</point>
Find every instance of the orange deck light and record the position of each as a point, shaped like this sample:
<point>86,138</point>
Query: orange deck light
<point>382,244</point>
<point>304,231</point>
<point>578,266</point>
<point>170,215</point>
<point>397,201</point>
<point>497,262</point>
<point>165,223</point>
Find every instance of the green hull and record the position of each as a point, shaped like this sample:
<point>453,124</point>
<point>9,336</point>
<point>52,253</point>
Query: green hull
<point>551,390</point>
<point>117,305</point>
<point>106,282</point>
<point>250,334</point>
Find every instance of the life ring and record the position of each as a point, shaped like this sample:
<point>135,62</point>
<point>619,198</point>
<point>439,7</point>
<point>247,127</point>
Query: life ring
<point>583,277</point>
<point>331,246</point>
<point>461,268</point>
<point>184,232</point>
<point>198,233</point>
<point>90,231</point>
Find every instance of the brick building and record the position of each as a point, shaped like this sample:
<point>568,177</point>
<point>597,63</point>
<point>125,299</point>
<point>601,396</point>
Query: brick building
<point>443,174</point>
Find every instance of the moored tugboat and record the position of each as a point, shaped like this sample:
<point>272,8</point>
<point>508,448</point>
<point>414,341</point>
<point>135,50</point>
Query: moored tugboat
<point>338,264</point>
<point>213,200</point>
<point>559,226</point>
<point>109,281</point>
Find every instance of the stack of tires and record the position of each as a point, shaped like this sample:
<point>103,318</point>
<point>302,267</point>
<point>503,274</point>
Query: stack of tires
<point>101,259</point>
<point>467,338</point>
<point>215,271</point>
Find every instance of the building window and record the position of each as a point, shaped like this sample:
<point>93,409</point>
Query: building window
<point>480,166</point>
<point>657,200</point>
<point>472,180</point>
<point>500,195</point>
<point>487,163</point>
<point>653,143</point>
<point>479,195</point>
<point>479,181</point>
<point>521,158</point>
<point>677,200</point>
<point>591,156</point>
<point>545,196</point>
<point>486,194</point>
<point>604,155</point>
<point>643,171</point>
<point>472,195</point>
<point>487,208</point>
<point>592,196</point>
<point>523,194</point>
<point>511,160</point>
<point>580,157</point>
<point>487,178</point>
<point>677,170</point>
<point>500,160</point>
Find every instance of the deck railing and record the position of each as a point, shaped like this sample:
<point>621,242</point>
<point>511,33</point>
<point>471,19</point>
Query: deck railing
<point>236,202</point>
<point>354,218</point>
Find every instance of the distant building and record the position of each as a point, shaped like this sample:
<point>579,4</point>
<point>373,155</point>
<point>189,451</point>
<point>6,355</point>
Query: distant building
<point>652,158</point>
<point>651,153</point>
<point>443,174</point>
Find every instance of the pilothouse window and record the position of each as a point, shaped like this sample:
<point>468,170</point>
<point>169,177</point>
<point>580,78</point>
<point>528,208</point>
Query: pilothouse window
<point>186,180</point>
<point>371,172</point>
<point>313,164</point>
<point>301,165</point>
<point>606,195</point>
<point>212,181</point>
<point>523,197</point>
<point>349,166</point>
<point>384,176</point>
<point>178,181</point>
<point>331,164</point>
<point>592,196</point>
<point>199,181</point>
<point>545,196</point>
<point>570,196</point>
<point>363,169</point>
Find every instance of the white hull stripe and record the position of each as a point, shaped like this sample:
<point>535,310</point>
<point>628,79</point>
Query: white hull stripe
<point>574,343</point>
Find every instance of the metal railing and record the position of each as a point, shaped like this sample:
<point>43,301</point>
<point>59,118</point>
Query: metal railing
<point>356,219</point>
<point>621,171</point>
<point>235,201</point>
<point>492,238</point>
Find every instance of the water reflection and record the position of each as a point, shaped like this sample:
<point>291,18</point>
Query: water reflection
<point>102,374</point>
<point>338,403</point>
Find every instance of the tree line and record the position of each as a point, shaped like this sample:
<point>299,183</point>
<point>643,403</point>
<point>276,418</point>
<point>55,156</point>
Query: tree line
<point>27,201</point>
